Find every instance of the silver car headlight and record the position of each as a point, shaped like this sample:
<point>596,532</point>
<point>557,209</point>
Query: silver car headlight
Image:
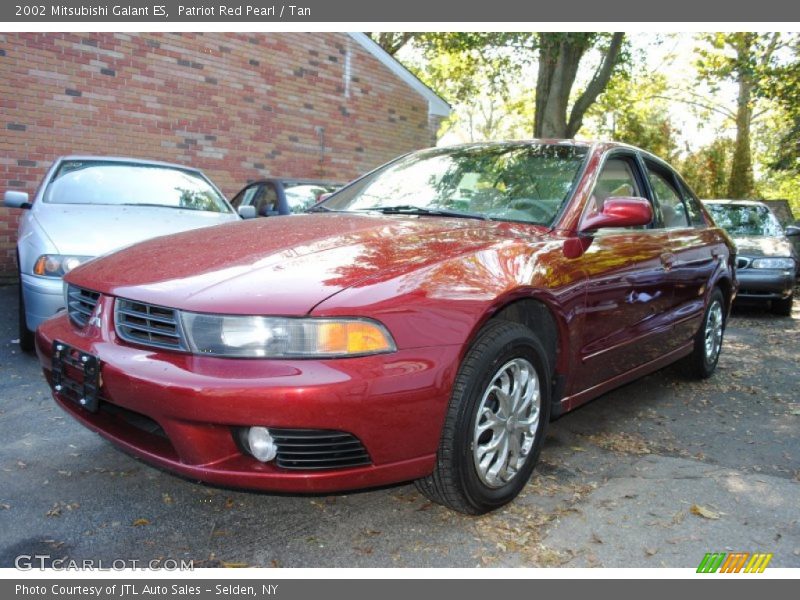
<point>281,337</point>
<point>773,263</point>
<point>57,265</point>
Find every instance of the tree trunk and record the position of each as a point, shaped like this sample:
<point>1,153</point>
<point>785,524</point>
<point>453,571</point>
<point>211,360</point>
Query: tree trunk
<point>740,183</point>
<point>560,55</point>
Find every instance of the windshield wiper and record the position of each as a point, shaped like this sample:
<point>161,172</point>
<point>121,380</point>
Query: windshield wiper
<point>408,209</point>
<point>320,208</point>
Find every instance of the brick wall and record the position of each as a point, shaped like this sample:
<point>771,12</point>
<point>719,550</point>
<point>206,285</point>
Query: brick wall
<point>239,106</point>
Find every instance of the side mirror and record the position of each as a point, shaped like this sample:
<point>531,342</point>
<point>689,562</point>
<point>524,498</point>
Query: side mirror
<point>247,212</point>
<point>13,199</point>
<point>620,212</point>
<point>791,230</point>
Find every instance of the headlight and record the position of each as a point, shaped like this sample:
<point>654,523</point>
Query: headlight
<point>280,337</point>
<point>57,265</point>
<point>773,263</point>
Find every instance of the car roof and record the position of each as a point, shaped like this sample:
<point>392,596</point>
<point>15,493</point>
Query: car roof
<point>124,159</point>
<point>735,202</point>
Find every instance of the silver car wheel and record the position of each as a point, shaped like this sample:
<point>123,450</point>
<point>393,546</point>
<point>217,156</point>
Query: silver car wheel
<point>713,332</point>
<point>506,423</point>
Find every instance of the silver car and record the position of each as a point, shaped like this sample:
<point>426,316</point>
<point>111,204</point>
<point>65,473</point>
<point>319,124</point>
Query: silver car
<point>766,262</point>
<point>88,206</point>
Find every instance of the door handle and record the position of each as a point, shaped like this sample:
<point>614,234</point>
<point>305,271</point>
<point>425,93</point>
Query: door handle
<point>668,260</point>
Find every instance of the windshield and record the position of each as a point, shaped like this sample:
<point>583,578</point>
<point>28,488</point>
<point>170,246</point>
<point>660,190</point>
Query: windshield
<point>302,196</point>
<point>745,219</point>
<point>117,183</point>
<point>514,182</point>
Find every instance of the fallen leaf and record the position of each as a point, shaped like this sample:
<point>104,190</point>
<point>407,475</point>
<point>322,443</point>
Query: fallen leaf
<point>141,522</point>
<point>596,538</point>
<point>702,511</point>
<point>650,551</point>
<point>234,565</point>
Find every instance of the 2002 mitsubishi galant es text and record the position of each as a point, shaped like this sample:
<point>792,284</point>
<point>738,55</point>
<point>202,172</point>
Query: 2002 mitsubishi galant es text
<point>426,322</point>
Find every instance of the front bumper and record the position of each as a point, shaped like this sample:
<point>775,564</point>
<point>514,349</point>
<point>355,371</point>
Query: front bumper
<point>765,284</point>
<point>394,404</point>
<point>43,296</point>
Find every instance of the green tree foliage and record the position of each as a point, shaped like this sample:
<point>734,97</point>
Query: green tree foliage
<point>634,110</point>
<point>746,58</point>
<point>706,170</point>
<point>487,75</point>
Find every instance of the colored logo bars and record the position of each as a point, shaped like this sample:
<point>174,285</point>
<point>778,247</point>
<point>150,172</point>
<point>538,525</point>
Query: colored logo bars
<point>720,562</point>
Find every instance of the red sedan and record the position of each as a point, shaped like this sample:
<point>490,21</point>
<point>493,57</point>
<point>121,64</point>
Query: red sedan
<point>425,322</point>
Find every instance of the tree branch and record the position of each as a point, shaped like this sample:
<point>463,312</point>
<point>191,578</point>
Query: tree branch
<point>719,110</point>
<point>596,85</point>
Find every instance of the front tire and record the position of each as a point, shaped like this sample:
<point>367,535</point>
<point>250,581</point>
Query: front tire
<point>495,423</point>
<point>702,362</point>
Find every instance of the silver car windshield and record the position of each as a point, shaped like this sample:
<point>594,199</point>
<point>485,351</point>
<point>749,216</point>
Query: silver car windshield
<point>510,182</point>
<point>746,219</point>
<point>131,184</point>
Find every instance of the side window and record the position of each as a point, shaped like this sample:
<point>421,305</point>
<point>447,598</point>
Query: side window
<point>245,197</point>
<point>696,217</point>
<point>673,211</point>
<point>617,179</point>
<point>266,201</point>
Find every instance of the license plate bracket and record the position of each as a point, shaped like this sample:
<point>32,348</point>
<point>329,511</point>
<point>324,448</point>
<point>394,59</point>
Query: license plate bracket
<point>85,393</point>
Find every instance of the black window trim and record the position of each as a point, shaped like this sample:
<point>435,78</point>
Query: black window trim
<point>634,158</point>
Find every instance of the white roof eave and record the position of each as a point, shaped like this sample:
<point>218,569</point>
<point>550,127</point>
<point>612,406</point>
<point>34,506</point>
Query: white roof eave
<point>436,105</point>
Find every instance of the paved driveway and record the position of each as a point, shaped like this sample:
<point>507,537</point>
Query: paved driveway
<point>654,474</point>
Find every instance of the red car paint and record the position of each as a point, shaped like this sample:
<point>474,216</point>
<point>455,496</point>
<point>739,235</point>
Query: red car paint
<point>625,303</point>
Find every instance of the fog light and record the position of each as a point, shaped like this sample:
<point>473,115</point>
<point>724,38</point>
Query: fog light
<point>261,444</point>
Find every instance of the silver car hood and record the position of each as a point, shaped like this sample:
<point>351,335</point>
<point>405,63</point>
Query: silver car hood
<point>92,230</point>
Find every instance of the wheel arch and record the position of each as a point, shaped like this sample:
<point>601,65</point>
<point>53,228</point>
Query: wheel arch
<point>544,317</point>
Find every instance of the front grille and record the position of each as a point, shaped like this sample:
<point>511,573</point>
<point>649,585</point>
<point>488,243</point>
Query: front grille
<point>81,304</point>
<point>742,262</point>
<point>148,324</point>
<point>318,449</point>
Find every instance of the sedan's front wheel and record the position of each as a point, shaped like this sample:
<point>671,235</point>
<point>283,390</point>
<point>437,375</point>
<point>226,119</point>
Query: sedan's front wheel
<point>495,422</point>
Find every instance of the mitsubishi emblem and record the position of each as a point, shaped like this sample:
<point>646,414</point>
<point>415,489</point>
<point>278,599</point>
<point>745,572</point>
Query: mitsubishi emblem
<point>95,320</point>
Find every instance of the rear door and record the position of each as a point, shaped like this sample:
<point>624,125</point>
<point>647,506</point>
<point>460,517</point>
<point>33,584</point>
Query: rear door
<point>627,293</point>
<point>693,254</point>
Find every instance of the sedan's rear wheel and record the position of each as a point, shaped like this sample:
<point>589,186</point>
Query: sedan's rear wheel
<point>495,422</point>
<point>702,362</point>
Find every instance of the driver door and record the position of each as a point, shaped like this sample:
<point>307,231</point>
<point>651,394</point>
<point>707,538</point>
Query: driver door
<point>627,293</point>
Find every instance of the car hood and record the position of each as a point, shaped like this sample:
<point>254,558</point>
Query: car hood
<point>93,230</point>
<point>280,265</point>
<point>755,246</point>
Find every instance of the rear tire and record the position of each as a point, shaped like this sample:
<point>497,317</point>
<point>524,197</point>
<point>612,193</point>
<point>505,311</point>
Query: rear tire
<point>26,337</point>
<point>702,362</point>
<point>495,423</point>
<point>783,307</point>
